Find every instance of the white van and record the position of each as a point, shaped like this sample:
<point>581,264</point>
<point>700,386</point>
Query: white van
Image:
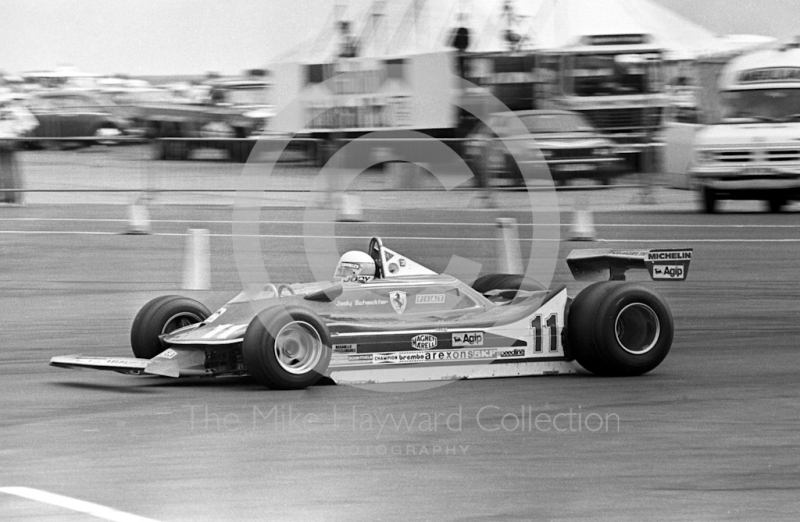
<point>754,152</point>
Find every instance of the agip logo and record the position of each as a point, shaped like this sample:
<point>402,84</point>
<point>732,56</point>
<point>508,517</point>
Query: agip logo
<point>424,342</point>
<point>668,272</point>
<point>468,339</point>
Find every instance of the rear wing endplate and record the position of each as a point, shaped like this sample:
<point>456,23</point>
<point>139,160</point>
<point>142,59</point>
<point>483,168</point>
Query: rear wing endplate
<point>662,264</point>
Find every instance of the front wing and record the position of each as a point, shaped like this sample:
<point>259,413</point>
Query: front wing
<point>172,362</point>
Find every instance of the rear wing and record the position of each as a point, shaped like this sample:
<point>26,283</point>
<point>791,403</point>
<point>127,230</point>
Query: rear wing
<point>662,264</point>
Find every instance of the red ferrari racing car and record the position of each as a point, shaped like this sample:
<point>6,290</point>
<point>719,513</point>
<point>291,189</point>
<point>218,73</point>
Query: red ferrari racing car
<point>386,318</point>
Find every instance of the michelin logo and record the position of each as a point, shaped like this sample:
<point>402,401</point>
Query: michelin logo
<point>468,339</point>
<point>669,256</point>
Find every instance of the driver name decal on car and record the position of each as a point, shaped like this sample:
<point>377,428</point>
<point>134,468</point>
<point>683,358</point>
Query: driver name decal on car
<point>357,279</point>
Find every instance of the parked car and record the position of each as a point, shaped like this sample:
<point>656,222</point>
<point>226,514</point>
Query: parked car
<point>65,115</point>
<point>223,115</point>
<point>563,141</point>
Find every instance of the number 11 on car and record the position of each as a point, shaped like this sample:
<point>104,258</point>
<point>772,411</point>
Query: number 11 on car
<point>545,333</point>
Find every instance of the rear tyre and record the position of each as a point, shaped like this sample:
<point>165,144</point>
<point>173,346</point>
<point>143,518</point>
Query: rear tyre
<point>161,316</point>
<point>709,200</point>
<point>619,329</point>
<point>286,348</point>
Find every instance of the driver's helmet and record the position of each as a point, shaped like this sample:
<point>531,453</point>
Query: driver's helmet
<point>355,266</point>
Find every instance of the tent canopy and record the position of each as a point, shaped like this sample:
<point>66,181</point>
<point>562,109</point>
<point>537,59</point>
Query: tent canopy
<point>385,28</point>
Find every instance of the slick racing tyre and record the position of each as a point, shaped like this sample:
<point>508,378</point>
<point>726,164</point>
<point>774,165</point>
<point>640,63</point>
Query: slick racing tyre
<point>508,282</point>
<point>616,329</point>
<point>286,348</point>
<point>161,316</point>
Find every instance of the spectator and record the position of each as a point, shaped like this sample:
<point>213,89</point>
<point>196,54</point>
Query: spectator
<point>15,121</point>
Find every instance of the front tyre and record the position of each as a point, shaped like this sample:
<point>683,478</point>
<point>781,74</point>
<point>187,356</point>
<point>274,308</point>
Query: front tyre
<point>619,329</point>
<point>161,316</point>
<point>286,348</point>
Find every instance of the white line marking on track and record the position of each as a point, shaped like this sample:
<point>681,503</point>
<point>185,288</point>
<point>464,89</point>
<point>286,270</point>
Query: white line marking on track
<point>399,238</point>
<point>73,504</point>
<point>410,223</point>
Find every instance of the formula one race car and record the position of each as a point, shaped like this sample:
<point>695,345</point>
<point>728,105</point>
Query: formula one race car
<point>387,318</point>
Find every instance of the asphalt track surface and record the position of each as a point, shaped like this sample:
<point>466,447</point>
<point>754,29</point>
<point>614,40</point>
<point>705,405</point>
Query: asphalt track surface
<point>711,434</point>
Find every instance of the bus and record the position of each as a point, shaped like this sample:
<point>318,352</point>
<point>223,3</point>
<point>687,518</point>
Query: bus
<point>615,80</point>
<point>753,152</point>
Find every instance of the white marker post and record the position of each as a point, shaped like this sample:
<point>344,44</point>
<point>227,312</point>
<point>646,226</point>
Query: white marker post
<point>197,260</point>
<point>509,253</point>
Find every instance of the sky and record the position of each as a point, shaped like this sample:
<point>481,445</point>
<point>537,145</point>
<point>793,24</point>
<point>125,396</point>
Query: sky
<point>143,37</point>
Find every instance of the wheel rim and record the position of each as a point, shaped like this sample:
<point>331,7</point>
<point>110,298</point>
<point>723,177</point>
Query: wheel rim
<point>180,320</point>
<point>637,328</point>
<point>107,132</point>
<point>298,348</point>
